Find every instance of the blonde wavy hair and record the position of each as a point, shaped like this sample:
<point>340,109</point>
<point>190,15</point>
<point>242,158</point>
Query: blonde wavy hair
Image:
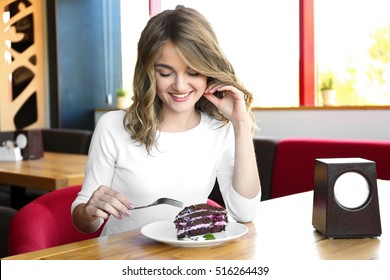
<point>198,46</point>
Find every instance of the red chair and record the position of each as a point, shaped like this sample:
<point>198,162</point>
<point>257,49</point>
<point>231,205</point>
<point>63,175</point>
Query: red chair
<point>213,203</point>
<point>46,222</point>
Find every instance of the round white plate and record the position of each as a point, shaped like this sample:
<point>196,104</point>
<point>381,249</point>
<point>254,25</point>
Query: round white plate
<point>165,232</point>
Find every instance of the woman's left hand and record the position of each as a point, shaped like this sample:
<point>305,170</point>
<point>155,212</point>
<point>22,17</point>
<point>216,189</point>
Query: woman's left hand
<point>232,105</point>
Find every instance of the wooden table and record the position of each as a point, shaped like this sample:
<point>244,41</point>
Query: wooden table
<point>281,231</point>
<point>52,172</point>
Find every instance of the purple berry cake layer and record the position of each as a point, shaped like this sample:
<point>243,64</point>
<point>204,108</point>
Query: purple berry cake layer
<point>200,219</point>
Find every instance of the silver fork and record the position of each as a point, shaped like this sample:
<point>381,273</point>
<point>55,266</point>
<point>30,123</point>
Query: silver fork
<point>163,200</point>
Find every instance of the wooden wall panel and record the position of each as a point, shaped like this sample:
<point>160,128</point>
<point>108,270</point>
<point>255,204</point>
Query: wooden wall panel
<point>22,76</point>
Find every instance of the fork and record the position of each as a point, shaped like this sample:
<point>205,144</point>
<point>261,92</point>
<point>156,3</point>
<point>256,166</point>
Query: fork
<point>163,200</point>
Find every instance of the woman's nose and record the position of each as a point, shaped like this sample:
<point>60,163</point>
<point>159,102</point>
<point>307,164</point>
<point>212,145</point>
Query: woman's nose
<point>180,83</point>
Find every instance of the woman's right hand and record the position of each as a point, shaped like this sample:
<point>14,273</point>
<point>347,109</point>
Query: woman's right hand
<point>102,203</point>
<point>105,202</point>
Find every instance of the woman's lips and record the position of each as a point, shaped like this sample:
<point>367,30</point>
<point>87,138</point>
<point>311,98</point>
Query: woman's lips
<point>181,97</point>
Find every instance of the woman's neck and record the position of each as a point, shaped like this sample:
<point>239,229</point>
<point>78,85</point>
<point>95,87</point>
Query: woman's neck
<point>179,122</point>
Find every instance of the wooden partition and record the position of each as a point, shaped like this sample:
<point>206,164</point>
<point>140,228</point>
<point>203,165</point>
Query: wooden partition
<point>22,77</point>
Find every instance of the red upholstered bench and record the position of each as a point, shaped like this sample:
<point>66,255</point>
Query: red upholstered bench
<point>294,163</point>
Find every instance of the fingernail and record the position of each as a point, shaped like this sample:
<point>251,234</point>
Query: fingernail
<point>127,213</point>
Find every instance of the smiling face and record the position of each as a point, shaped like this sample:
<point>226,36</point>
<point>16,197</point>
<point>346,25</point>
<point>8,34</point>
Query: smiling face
<point>178,86</point>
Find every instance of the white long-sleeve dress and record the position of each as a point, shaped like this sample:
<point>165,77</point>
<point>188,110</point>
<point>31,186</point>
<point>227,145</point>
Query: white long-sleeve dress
<point>182,166</point>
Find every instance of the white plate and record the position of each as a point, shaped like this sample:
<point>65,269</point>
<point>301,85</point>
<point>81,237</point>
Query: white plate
<point>165,232</point>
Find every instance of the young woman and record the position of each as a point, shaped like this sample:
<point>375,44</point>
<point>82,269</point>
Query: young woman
<point>189,123</point>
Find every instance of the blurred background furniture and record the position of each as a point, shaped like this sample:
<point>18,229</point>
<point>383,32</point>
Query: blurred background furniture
<point>294,163</point>
<point>5,191</point>
<point>51,172</point>
<point>265,149</point>
<point>5,195</point>
<point>6,214</point>
<point>286,166</point>
<point>62,140</point>
<point>46,222</point>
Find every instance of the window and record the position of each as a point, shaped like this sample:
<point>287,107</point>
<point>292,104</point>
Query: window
<point>353,44</point>
<point>261,39</point>
<point>265,59</point>
<point>134,16</point>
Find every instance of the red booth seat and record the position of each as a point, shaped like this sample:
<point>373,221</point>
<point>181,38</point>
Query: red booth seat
<point>294,163</point>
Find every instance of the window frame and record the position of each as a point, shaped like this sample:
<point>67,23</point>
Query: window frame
<point>307,75</point>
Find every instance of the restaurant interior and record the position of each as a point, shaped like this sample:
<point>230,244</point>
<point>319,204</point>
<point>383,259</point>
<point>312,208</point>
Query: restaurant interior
<point>61,70</point>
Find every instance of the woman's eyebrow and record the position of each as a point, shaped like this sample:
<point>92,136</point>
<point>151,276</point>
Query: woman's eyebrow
<point>163,66</point>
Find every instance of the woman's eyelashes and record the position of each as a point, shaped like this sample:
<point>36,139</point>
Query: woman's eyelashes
<point>166,75</point>
<point>194,74</point>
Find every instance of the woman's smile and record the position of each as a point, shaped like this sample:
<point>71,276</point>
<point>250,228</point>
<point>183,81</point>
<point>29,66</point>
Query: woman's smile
<point>181,97</point>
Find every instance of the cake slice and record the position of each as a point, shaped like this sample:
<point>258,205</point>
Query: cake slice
<point>200,219</point>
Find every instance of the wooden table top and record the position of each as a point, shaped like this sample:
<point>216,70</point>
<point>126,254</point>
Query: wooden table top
<point>282,230</point>
<point>53,171</point>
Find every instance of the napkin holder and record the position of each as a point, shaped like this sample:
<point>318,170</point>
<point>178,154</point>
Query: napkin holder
<point>10,154</point>
<point>27,142</point>
<point>30,143</point>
